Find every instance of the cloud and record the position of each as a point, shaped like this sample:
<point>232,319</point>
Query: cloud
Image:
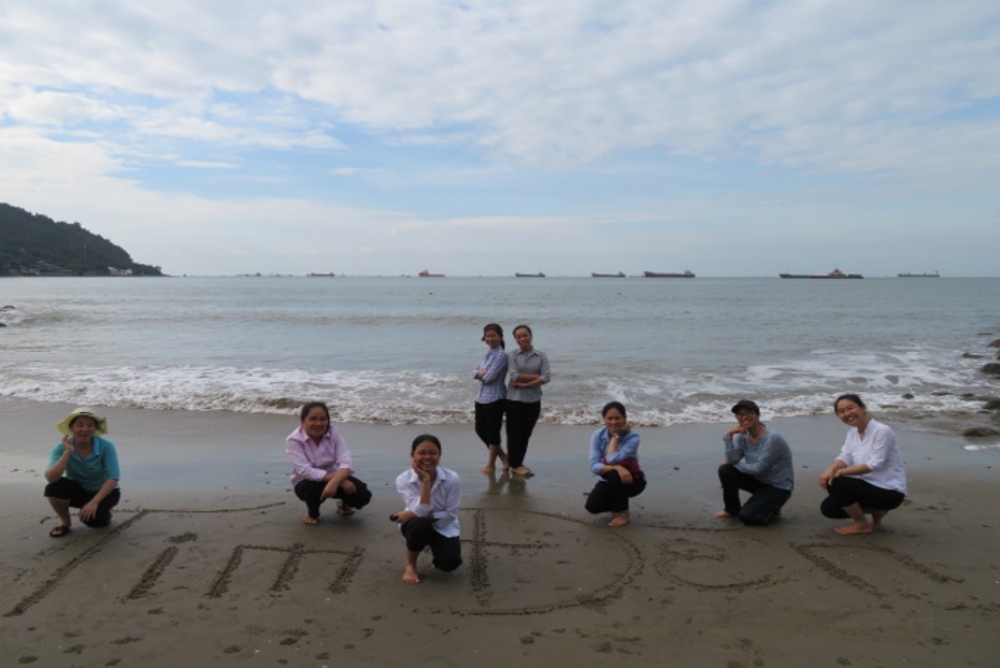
<point>448,121</point>
<point>548,83</point>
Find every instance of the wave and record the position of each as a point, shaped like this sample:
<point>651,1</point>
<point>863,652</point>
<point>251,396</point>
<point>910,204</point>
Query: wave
<point>901,381</point>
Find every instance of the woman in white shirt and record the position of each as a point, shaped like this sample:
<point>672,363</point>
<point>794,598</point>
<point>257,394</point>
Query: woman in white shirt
<point>868,476</point>
<point>431,496</point>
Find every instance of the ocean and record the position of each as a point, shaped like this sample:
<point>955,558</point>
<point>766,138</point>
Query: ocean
<point>402,350</point>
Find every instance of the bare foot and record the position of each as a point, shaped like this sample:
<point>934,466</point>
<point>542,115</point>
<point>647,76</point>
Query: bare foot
<point>855,528</point>
<point>410,575</point>
<point>310,520</point>
<point>487,469</point>
<point>722,515</point>
<point>619,519</point>
<point>344,509</point>
<point>523,470</point>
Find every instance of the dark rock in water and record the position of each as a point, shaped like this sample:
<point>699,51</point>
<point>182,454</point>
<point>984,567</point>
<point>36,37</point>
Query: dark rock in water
<point>981,432</point>
<point>992,369</point>
<point>907,396</point>
<point>992,405</point>
<point>971,356</point>
<point>2,324</point>
<point>994,344</point>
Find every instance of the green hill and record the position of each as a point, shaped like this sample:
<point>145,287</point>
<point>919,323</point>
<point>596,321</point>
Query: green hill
<point>32,244</point>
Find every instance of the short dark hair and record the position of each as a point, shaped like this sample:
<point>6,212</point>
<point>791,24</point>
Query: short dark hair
<point>425,438</point>
<point>530,333</point>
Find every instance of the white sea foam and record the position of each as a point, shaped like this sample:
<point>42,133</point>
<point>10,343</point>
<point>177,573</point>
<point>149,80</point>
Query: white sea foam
<point>388,351</point>
<point>418,397</point>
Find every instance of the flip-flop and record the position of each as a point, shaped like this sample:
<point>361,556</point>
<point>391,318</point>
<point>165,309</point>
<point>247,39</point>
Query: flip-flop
<point>60,531</point>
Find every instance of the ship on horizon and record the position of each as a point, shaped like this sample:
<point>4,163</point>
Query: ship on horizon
<point>594,274</point>
<point>535,275</point>
<point>836,273</point>
<point>687,273</point>
<point>427,274</point>
<point>925,274</point>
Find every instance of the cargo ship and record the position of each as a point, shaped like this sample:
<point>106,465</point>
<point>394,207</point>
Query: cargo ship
<point>656,274</point>
<point>836,273</point>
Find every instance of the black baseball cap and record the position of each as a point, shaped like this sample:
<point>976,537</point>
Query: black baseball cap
<point>745,404</point>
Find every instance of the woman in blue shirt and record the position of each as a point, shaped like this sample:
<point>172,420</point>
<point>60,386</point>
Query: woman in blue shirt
<point>491,374</point>
<point>83,472</point>
<point>614,456</point>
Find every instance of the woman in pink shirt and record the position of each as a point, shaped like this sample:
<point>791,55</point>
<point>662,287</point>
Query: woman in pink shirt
<point>321,465</point>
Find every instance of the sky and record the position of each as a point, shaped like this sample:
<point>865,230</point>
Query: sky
<point>487,137</point>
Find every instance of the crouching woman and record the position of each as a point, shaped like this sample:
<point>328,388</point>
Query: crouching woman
<point>431,497</point>
<point>83,472</point>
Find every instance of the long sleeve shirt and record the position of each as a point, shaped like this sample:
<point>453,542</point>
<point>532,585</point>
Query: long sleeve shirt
<point>880,452</point>
<point>311,461</point>
<point>628,448</point>
<point>446,497</point>
<point>769,460</point>
<point>492,387</point>
<point>535,362</point>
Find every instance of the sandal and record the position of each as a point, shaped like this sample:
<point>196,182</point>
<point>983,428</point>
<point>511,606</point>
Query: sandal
<point>60,531</point>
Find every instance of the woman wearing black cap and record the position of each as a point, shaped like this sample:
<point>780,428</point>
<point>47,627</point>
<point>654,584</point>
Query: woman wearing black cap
<point>758,461</point>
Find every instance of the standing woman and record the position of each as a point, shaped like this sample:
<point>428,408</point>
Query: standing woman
<point>868,475</point>
<point>491,374</point>
<point>431,496</point>
<point>321,465</point>
<point>614,456</point>
<point>529,370</point>
<point>83,472</point>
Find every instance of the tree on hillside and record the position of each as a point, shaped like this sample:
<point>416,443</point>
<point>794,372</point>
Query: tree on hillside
<point>35,244</point>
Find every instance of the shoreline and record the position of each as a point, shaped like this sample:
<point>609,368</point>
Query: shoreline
<point>207,557</point>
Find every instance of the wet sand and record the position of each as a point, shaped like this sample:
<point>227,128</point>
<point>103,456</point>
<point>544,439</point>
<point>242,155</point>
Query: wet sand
<point>207,562</point>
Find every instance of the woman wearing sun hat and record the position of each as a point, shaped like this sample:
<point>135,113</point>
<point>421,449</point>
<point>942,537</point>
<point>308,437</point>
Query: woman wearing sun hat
<point>83,472</point>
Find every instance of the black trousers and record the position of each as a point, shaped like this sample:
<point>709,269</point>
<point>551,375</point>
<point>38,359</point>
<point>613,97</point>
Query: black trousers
<point>847,491</point>
<point>611,495</point>
<point>765,500</point>
<point>78,497</point>
<point>489,421</point>
<point>419,533</point>
<point>310,491</point>
<point>521,419</point>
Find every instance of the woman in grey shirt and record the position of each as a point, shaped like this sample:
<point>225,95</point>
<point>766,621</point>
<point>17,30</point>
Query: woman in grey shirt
<point>529,370</point>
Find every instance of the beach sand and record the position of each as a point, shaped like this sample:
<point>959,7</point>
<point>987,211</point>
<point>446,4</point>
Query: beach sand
<point>207,562</point>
